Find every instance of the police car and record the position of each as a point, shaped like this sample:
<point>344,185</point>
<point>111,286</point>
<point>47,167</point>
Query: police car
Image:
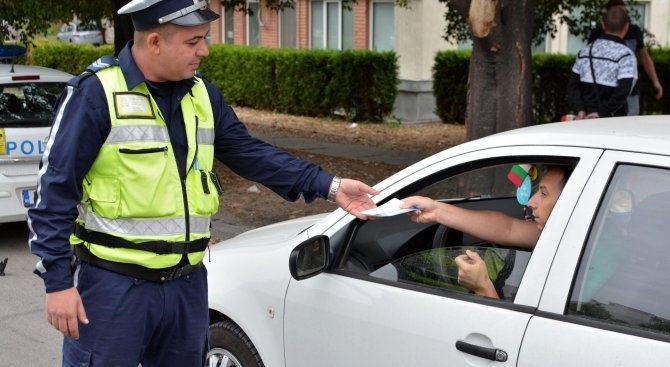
<point>27,97</point>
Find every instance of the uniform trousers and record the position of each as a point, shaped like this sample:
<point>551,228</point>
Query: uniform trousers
<point>134,321</point>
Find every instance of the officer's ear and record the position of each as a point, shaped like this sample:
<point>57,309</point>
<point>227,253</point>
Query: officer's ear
<point>153,41</point>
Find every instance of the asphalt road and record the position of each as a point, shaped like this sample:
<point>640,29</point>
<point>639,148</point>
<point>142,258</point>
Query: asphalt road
<point>26,338</point>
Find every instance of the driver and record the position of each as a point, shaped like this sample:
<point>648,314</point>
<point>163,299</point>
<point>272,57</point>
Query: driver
<point>493,226</point>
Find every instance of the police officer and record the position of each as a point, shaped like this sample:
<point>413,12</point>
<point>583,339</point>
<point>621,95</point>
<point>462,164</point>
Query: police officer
<point>127,184</point>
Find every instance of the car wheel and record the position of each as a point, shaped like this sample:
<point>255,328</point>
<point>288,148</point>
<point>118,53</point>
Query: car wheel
<point>229,346</point>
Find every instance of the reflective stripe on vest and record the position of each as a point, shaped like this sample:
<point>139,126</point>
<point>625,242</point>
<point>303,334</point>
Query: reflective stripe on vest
<point>133,190</point>
<point>149,228</point>
<point>120,134</point>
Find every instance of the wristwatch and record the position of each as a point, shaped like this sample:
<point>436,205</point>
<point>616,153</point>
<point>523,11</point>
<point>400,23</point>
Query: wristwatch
<point>334,187</point>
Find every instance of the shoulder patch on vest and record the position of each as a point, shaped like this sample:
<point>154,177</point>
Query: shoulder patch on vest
<point>97,65</point>
<point>101,63</point>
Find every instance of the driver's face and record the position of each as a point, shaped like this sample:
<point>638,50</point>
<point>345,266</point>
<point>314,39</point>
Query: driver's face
<point>543,201</point>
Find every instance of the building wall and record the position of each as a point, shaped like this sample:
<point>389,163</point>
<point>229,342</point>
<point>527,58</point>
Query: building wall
<point>302,26</point>
<point>415,101</point>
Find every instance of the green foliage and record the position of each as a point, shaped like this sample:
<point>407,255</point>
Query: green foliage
<point>360,84</point>
<point>648,102</point>
<point>71,58</point>
<point>450,84</point>
<point>364,84</point>
<point>550,81</point>
<point>298,72</point>
<point>550,76</point>
<point>31,18</point>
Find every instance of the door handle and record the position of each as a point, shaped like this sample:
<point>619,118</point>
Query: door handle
<point>492,354</point>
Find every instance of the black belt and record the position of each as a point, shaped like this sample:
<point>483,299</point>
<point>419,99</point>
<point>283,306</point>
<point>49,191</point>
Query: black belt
<point>157,247</point>
<point>134,270</point>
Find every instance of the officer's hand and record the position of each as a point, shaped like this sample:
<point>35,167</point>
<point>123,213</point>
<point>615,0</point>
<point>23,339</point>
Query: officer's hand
<point>64,308</point>
<point>354,197</point>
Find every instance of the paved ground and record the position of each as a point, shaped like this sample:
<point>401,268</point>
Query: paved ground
<point>222,230</point>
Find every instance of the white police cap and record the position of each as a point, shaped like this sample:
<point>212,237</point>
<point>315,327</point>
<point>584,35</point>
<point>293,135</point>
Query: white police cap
<point>147,14</point>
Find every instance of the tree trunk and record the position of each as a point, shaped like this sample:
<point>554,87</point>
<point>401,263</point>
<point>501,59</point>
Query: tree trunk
<point>500,79</point>
<point>123,27</point>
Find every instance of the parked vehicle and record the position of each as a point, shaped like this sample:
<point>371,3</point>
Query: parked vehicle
<point>27,97</point>
<point>81,33</point>
<point>333,290</point>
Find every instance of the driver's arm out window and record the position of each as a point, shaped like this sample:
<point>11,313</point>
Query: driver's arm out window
<point>397,250</point>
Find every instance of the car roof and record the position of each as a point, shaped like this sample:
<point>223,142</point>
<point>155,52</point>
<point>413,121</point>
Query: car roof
<point>648,134</point>
<point>46,74</point>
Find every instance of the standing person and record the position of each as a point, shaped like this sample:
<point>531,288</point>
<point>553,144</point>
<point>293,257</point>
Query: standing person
<point>604,72</point>
<point>634,39</point>
<point>126,183</point>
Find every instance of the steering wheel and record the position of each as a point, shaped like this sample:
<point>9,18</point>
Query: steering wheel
<point>447,237</point>
<point>444,235</point>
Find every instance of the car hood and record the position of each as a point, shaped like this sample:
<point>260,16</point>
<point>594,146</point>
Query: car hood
<point>273,233</point>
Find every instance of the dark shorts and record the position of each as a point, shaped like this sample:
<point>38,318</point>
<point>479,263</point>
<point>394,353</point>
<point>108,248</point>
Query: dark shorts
<point>133,321</point>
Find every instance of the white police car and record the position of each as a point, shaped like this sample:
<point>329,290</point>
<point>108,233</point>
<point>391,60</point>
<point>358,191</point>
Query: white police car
<point>27,97</point>
<point>332,290</point>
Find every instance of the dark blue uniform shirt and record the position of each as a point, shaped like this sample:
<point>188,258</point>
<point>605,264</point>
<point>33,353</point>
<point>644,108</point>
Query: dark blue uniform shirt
<point>80,127</point>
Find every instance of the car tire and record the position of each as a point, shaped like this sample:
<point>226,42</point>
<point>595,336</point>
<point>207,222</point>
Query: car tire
<point>229,346</point>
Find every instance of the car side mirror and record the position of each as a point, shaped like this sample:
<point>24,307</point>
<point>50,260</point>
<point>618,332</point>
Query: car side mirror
<point>310,258</point>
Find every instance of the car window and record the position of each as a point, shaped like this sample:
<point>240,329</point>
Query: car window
<point>88,27</point>
<point>624,272</point>
<point>436,267</point>
<point>28,104</point>
<point>399,251</point>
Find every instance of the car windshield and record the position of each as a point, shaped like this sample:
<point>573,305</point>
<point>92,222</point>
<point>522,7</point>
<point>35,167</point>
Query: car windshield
<point>88,27</point>
<point>28,104</point>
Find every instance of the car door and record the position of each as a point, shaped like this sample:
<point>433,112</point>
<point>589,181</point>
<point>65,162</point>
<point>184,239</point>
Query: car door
<point>362,314</point>
<point>25,120</point>
<point>605,301</point>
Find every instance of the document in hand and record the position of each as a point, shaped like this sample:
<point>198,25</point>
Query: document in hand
<point>389,209</point>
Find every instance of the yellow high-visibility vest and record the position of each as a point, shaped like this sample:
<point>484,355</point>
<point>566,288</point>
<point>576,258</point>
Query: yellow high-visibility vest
<point>133,190</point>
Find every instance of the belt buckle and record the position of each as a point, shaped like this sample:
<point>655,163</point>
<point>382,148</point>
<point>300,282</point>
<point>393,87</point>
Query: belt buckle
<point>170,274</point>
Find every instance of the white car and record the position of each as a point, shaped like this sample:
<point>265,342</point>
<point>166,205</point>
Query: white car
<point>333,290</point>
<point>81,33</point>
<point>27,97</point>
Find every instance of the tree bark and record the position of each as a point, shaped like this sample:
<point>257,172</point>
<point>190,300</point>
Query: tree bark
<point>123,27</point>
<point>500,79</point>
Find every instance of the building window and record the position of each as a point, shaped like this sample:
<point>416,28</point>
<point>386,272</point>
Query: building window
<point>227,27</point>
<point>541,47</point>
<point>383,36</point>
<point>332,25</point>
<point>575,43</point>
<point>253,24</point>
<point>287,28</point>
<point>637,12</point>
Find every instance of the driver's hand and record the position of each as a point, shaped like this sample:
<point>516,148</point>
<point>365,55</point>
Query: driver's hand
<point>472,274</point>
<point>426,208</point>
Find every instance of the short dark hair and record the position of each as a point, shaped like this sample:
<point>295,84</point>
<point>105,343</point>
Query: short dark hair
<point>566,169</point>
<point>615,20</point>
<point>612,3</point>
